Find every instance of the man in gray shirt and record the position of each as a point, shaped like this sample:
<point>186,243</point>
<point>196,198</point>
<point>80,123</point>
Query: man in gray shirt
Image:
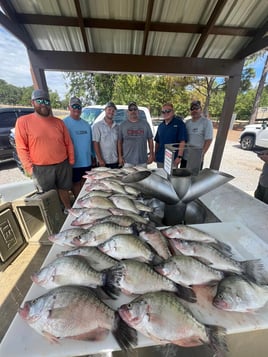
<point>134,134</point>
<point>200,135</point>
<point>105,139</point>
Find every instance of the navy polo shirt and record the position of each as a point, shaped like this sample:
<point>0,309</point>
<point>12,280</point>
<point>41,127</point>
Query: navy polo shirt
<point>174,132</point>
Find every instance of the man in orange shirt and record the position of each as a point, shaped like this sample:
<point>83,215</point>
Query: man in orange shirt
<point>45,148</point>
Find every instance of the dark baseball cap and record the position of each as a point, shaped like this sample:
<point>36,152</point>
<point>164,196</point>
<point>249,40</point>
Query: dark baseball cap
<point>196,104</point>
<point>40,94</point>
<point>132,104</point>
<point>109,105</point>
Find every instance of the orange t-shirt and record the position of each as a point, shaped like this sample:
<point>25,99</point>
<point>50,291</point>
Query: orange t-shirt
<point>42,141</point>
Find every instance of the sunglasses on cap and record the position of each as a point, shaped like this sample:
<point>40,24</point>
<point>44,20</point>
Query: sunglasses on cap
<point>42,101</point>
<point>76,106</point>
<point>133,109</point>
<point>166,111</point>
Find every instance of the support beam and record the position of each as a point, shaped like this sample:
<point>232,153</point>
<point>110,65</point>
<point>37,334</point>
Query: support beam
<point>108,63</point>
<point>225,120</point>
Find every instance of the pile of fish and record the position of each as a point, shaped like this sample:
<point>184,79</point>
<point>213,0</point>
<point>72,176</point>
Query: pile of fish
<point>115,249</point>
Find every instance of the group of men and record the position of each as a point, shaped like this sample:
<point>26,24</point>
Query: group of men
<point>57,153</point>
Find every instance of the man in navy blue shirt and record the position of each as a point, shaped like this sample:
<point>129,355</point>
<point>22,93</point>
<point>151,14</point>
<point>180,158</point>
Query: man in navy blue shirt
<point>172,130</point>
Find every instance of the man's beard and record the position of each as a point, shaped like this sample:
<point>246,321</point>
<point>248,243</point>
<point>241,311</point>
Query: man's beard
<point>44,111</point>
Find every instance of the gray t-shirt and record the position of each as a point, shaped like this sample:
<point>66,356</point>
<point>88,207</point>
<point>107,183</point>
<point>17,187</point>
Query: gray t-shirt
<point>198,131</point>
<point>134,136</point>
<point>107,138</point>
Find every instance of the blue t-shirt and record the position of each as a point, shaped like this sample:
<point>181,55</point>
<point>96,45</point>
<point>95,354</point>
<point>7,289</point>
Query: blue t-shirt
<point>81,135</point>
<point>174,132</point>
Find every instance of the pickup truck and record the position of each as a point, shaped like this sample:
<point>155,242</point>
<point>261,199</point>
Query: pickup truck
<point>255,136</point>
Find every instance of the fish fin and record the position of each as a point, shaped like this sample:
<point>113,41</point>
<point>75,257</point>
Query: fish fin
<point>223,247</point>
<point>125,335</point>
<point>185,293</point>
<point>217,340</point>
<point>156,260</point>
<point>57,313</point>
<point>253,269</point>
<point>51,338</point>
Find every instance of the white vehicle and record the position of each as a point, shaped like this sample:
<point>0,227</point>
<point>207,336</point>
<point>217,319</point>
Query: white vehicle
<point>95,113</point>
<point>254,135</point>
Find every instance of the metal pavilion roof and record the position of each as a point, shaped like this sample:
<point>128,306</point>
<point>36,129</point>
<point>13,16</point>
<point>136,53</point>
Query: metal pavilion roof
<point>183,37</point>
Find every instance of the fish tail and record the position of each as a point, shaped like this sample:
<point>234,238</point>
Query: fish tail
<point>109,287</point>
<point>113,276</point>
<point>253,269</point>
<point>217,340</point>
<point>125,335</point>
<point>185,293</point>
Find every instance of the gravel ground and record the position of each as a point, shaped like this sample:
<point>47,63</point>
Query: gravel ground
<point>243,165</point>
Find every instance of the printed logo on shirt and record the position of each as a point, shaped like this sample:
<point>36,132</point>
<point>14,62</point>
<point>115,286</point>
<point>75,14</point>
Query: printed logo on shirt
<point>195,130</point>
<point>133,132</point>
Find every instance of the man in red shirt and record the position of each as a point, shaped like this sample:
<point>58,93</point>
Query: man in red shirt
<point>45,148</point>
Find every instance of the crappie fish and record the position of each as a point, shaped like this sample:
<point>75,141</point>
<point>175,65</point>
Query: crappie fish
<point>142,207</point>
<point>156,240</point>
<point>134,277</point>
<point>97,202</point>
<point>188,271</point>
<point>77,211</point>
<point>121,212</point>
<point>95,185</point>
<point>132,190</point>
<point>74,312</point>
<point>124,203</point>
<point>97,260</point>
<point>91,215</point>
<point>94,193</point>
<point>218,260</point>
<point>161,317</point>
<point>128,246</point>
<point>72,270</point>
<point>114,186</point>
<point>123,220</point>
<point>185,232</point>
<point>234,293</point>
<point>66,237</point>
<point>100,232</point>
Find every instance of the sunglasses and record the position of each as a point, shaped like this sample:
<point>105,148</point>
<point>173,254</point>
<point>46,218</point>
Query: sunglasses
<point>195,108</point>
<point>76,106</point>
<point>133,109</point>
<point>166,111</point>
<point>42,101</point>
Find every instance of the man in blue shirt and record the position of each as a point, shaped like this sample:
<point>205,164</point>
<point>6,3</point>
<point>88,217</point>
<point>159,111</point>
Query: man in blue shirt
<point>172,130</point>
<point>81,135</point>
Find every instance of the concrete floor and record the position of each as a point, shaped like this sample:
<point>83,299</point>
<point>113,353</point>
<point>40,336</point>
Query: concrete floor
<point>15,281</point>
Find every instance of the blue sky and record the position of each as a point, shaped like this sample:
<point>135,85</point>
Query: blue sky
<point>15,67</point>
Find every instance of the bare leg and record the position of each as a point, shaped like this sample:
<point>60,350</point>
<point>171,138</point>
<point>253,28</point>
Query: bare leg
<point>65,198</point>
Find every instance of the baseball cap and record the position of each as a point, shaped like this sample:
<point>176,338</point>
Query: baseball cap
<point>75,100</point>
<point>196,104</point>
<point>40,94</point>
<point>132,104</point>
<point>110,104</point>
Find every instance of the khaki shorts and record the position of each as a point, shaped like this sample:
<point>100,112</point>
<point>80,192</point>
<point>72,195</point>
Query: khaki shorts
<point>49,177</point>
